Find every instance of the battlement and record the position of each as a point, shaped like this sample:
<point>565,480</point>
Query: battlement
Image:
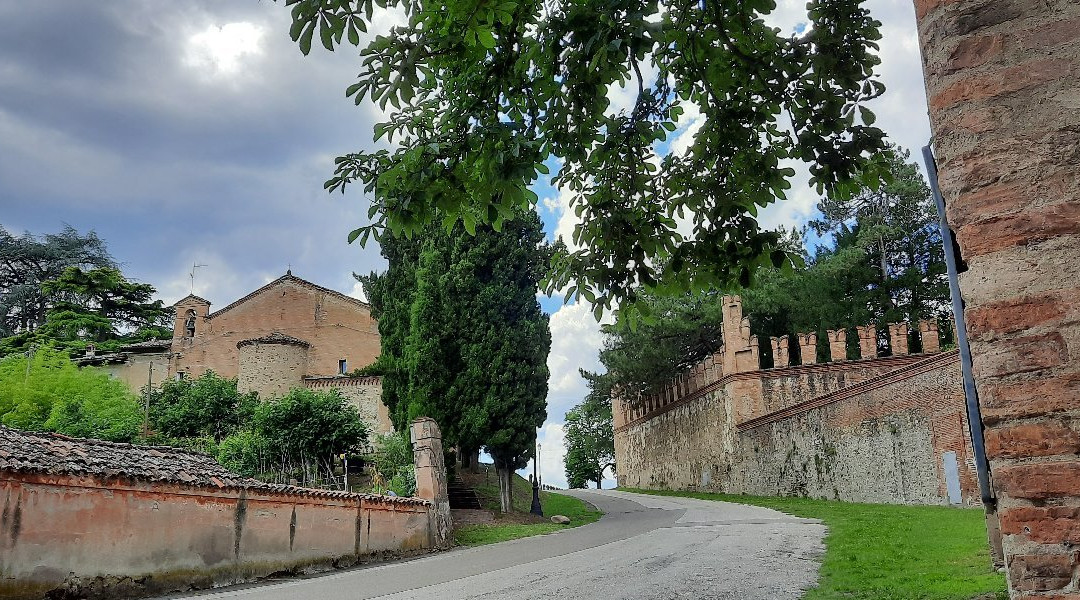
<point>739,357</point>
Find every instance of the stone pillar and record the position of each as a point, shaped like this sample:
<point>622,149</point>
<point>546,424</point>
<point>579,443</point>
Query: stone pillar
<point>808,347</point>
<point>780,352</point>
<point>928,333</point>
<point>431,479</point>
<point>1001,82</point>
<point>898,338</point>
<point>837,344</point>
<point>867,341</point>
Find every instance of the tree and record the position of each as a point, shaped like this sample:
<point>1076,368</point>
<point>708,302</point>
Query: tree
<point>102,307</point>
<point>895,227</point>
<point>590,438</point>
<point>484,95</point>
<point>841,286</point>
<point>45,391</point>
<point>472,352</point>
<point>304,430</point>
<point>28,261</point>
<point>209,406</point>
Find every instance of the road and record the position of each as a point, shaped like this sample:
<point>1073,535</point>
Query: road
<point>645,547</point>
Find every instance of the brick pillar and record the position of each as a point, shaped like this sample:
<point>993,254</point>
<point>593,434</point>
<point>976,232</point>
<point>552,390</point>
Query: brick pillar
<point>837,344</point>
<point>431,479</point>
<point>898,338</point>
<point>1001,78</point>
<point>867,341</point>
<point>808,347</point>
<point>780,351</point>
<point>928,333</point>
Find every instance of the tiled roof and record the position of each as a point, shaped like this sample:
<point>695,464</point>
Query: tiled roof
<point>274,338</point>
<point>55,454</point>
<point>154,344</point>
<point>101,359</point>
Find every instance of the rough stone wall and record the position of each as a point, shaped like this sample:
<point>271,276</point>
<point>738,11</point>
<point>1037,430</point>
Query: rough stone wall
<point>271,369</point>
<point>120,538</point>
<point>1001,78</point>
<point>365,393</point>
<point>885,444</point>
<point>337,328</point>
<point>835,448</point>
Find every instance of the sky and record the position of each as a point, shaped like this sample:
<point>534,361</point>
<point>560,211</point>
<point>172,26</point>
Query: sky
<point>197,133</point>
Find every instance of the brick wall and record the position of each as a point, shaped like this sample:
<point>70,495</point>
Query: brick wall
<point>113,538</point>
<point>1001,78</point>
<point>336,326</point>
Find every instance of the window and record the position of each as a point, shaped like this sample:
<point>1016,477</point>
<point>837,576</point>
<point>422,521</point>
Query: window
<point>181,375</point>
<point>342,366</point>
<point>189,324</point>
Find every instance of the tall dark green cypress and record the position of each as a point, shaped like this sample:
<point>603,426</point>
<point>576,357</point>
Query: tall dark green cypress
<point>464,339</point>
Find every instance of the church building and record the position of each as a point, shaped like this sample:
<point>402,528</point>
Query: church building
<point>289,333</point>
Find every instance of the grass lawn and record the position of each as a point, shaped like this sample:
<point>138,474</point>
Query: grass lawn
<point>519,523</point>
<point>888,552</point>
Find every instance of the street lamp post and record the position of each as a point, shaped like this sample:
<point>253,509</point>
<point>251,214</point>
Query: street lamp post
<point>536,508</point>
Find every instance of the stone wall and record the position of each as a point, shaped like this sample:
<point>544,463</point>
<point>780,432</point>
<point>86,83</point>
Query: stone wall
<point>1001,78</point>
<point>122,538</point>
<point>883,439</point>
<point>135,371</point>
<point>271,368</point>
<point>365,393</point>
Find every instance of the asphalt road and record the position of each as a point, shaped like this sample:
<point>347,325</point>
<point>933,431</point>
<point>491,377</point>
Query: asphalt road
<point>644,547</point>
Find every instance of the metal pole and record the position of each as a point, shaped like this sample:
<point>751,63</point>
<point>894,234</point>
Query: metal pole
<point>536,509</point>
<point>975,425</point>
<point>146,400</point>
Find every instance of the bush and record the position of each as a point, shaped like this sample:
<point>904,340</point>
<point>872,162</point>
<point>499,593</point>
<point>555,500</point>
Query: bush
<point>47,392</point>
<point>208,406</point>
<point>305,430</point>
<point>244,452</point>
<point>393,463</point>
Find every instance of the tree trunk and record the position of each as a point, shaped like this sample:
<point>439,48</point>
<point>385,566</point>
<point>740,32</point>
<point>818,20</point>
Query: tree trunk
<point>598,483</point>
<point>503,474</point>
<point>474,461</point>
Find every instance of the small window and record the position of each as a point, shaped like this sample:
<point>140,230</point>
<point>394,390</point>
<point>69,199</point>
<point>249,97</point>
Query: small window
<point>342,366</point>
<point>181,375</point>
<point>189,323</point>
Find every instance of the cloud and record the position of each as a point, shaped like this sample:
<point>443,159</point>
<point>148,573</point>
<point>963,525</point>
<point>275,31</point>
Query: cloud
<point>220,50</point>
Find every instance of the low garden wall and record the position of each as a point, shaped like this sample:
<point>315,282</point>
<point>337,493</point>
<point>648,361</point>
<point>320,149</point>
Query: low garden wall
<point>91,519</point>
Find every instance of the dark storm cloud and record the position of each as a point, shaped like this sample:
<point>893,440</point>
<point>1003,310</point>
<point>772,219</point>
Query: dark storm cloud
<point>111,120</point>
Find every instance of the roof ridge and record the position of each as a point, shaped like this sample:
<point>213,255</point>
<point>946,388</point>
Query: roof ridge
<point>298,280</point>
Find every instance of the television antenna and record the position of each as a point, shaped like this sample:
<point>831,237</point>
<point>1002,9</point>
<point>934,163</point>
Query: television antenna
<point>191,275</point>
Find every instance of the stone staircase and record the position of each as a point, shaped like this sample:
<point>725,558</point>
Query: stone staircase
<point>461,496</point>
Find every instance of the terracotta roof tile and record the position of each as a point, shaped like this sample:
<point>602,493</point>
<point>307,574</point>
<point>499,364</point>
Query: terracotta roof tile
<point>55,454</point>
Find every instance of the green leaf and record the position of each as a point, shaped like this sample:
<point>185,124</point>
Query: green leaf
<point>305,37</point>
<point>486,38</point>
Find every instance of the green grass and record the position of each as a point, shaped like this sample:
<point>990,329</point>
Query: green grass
<point>487,490</point>
<point>889,552</point>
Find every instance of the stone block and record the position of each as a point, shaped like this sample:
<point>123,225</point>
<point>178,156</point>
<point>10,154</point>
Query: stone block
<point>837,344</point>
<point>808,347</point>
<point>898,333</point>
<point>929,336</point>
<point>867,341</point>
<point>1045,438</point>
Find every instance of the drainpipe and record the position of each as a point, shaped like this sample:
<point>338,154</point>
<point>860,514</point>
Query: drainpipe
<point>982,467</point>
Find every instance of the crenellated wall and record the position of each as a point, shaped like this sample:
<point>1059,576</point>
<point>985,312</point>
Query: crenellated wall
<point>877,429</point>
